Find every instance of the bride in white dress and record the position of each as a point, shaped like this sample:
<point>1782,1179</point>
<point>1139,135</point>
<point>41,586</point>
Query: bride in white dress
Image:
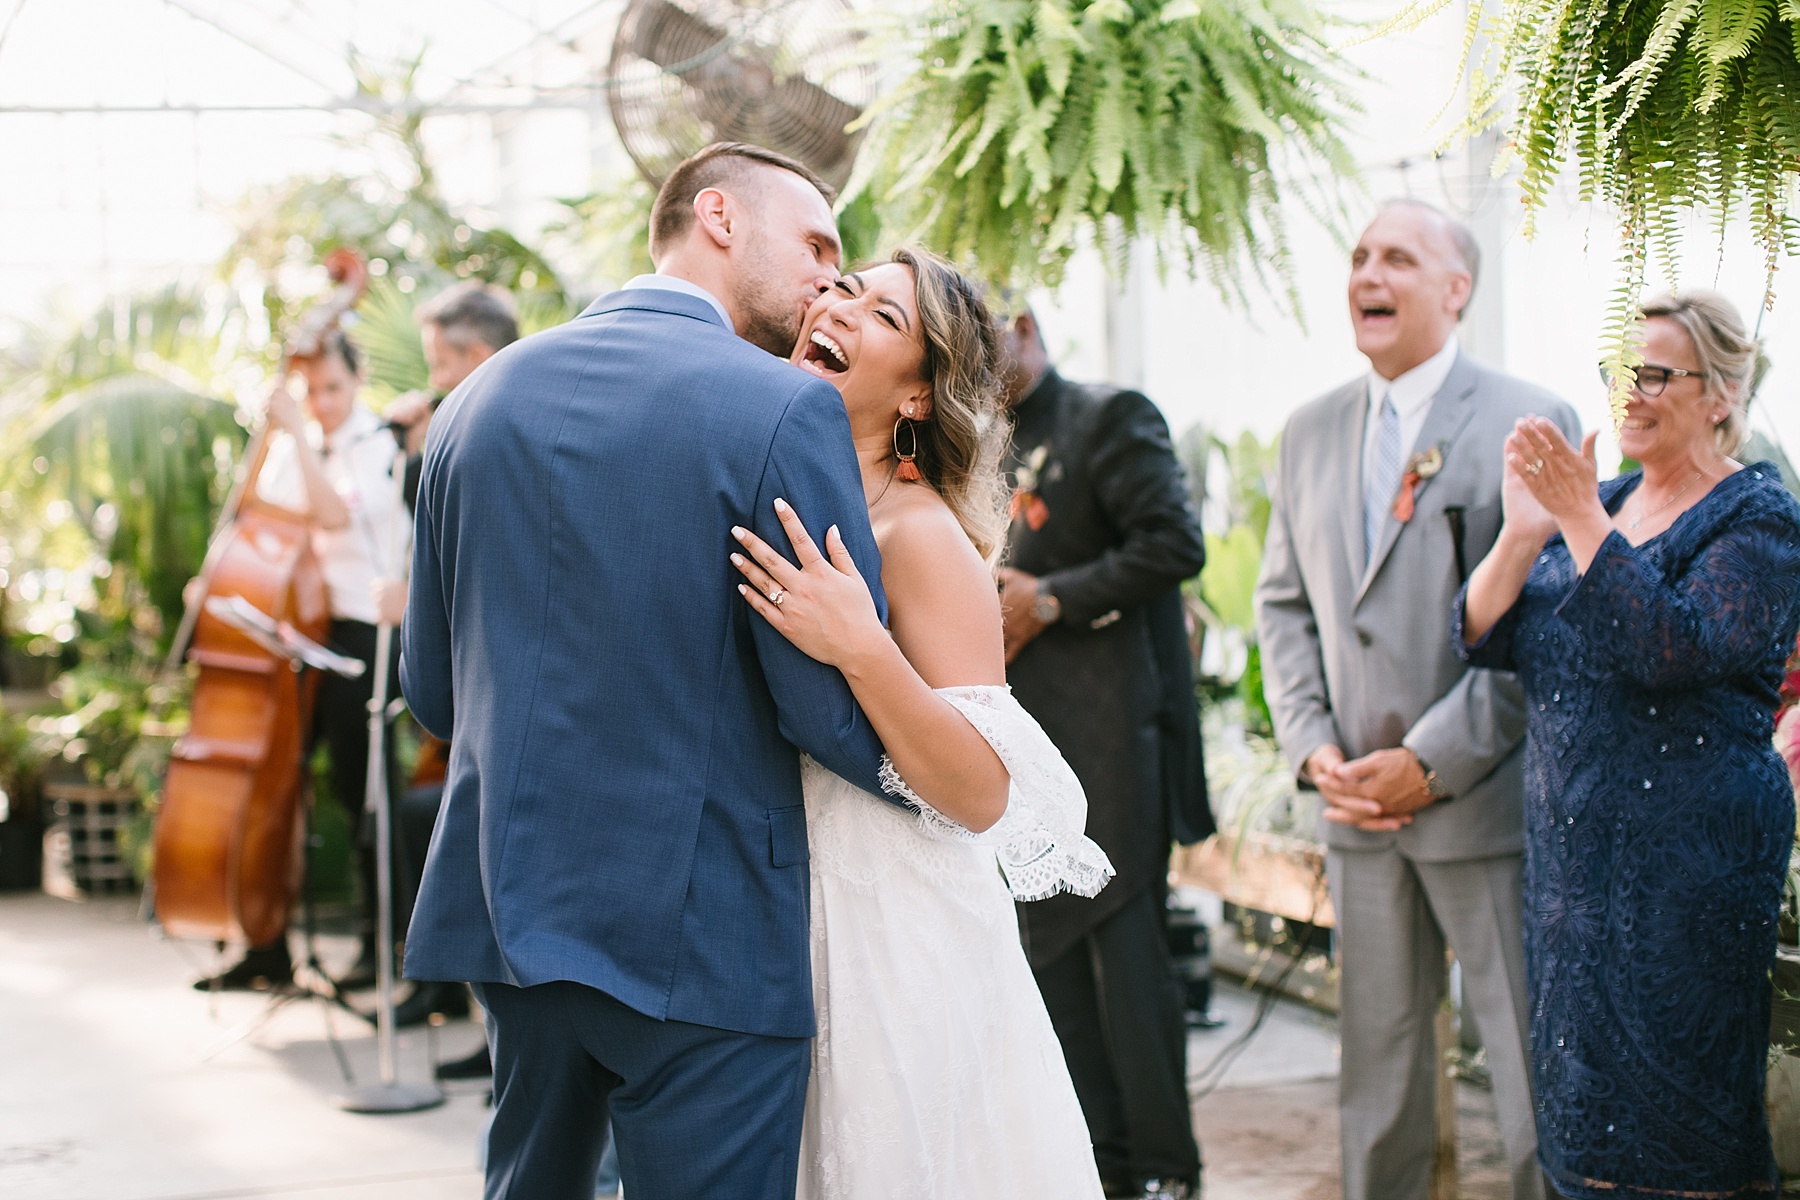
<point>936,1073</point>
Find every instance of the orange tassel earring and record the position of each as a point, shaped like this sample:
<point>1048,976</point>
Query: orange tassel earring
<point>908,470</point>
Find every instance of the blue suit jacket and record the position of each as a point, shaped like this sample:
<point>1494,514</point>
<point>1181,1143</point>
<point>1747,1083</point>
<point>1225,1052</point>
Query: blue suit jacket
<point>623,805</point>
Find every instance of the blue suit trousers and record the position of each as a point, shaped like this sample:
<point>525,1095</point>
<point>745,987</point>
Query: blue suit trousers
<point>695,1111</point>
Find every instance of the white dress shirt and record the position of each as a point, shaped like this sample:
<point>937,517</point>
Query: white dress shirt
<point>670,283</point>
<point>1412,394</point>
<point>358,459</point>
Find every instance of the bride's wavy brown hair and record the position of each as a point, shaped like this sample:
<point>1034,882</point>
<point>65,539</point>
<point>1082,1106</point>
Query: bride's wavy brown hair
<point>961,443</point>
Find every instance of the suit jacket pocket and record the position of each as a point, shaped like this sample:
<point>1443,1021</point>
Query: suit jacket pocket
<point>1481,526</point>
<point>787,836</point>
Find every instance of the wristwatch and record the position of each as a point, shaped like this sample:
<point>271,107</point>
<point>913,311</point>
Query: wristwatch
<point>1046,607</point>
<point>1434,786</point>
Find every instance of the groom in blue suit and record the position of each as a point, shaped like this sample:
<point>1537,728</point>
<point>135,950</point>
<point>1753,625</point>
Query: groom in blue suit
<point>620,866</point>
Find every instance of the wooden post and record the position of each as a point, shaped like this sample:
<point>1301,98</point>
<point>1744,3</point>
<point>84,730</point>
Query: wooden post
<point>1443,1171</point>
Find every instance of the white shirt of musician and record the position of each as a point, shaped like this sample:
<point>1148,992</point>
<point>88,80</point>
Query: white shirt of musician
<point>358,458</point>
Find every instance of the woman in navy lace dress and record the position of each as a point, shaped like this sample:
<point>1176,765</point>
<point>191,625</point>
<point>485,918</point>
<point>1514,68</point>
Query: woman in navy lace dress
<point>1648,619</point>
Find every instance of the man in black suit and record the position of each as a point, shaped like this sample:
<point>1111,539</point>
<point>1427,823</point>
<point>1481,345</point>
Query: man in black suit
<point>1103,534</point>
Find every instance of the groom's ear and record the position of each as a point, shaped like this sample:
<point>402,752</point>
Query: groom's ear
<point>716,214</point>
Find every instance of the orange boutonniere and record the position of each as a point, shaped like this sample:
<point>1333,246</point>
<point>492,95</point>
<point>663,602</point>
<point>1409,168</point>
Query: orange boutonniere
<point>1026,502</point>
<point>1419,467</point>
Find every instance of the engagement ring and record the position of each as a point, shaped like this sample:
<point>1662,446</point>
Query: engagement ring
<point>777,596</point>
<point>1534,468</point>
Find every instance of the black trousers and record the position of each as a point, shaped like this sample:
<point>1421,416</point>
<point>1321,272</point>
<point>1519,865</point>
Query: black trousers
<point>1118,1012</point>
<point>341,721</point>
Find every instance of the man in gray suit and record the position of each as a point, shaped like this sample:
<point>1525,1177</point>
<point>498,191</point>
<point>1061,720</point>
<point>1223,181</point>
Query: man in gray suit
<point>1387,494</point>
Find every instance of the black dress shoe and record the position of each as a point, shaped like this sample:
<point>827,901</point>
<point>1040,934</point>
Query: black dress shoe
<point>447,999</point>
<point>476,1066</point>
<point>262,969</point>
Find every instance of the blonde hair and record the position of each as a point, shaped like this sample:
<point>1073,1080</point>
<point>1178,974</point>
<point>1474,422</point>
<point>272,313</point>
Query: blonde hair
<point>961,443</point>
<point>1726,353</point>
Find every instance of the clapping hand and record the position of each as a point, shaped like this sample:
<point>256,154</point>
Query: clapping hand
<point>1562,480</point>
<point>823,606</point>
<point>1525,517</point>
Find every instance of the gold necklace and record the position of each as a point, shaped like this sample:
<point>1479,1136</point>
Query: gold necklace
<point>1642,517</point>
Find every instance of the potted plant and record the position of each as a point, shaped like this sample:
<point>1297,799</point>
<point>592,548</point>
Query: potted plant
<point>112,737</point>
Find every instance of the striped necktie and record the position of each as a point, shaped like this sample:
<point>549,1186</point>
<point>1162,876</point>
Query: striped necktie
<point>1384,476</point>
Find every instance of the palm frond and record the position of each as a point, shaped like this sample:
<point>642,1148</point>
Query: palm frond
<point>144,463</point>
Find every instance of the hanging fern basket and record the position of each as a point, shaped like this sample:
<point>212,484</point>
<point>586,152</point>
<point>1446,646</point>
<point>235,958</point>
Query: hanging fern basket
<point>1665,107</point>
<point>1024,126</point>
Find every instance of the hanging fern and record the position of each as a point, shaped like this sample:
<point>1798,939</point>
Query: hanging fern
<point>1665,106</point>
<point>1025,124</point>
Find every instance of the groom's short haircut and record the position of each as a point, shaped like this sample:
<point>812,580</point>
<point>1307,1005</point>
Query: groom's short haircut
<point>723,165</point>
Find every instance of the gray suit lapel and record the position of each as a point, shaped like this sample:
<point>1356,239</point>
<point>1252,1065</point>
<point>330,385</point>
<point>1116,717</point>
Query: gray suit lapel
<point>1347,434</point>
<point>1450,411</point>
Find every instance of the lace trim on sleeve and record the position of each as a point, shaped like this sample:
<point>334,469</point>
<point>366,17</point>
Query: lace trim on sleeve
<point>1038,840</point>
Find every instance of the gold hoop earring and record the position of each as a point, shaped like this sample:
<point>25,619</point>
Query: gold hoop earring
<point>908,470</point>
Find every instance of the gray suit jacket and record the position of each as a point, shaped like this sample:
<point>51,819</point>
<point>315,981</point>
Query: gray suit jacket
<point>1362,657</point>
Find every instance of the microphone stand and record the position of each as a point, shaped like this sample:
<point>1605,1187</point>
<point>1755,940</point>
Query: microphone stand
<point>390,1095</point>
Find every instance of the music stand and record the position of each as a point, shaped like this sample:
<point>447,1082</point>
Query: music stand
<point>301,653</point>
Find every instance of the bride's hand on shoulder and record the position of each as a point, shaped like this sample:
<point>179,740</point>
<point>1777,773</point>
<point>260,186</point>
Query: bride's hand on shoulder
<point>823,605</point>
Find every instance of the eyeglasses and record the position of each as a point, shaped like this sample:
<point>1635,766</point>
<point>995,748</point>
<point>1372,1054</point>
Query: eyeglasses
<point>1651,380</point>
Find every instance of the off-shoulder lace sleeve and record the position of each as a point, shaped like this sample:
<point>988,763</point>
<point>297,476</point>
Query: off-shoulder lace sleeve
<point>1039,839</point>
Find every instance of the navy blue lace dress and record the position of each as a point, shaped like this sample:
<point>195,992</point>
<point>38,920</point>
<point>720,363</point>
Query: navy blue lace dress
<point>1658,821</point>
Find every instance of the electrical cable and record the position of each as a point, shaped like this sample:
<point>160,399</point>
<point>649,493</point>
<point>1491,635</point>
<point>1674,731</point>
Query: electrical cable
<point>1207,1079</point>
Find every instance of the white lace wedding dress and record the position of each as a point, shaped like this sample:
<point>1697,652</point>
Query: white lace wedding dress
<point>936,1073</point>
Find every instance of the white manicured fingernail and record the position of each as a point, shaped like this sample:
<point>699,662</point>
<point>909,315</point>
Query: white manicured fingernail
<point>780,504</point>
<point>737,531</point>
<point>737,560</point>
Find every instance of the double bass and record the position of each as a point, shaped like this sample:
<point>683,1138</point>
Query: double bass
<point>228,847</point>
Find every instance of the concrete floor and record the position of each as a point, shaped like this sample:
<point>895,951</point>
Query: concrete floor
<point>118,1082</point>
<point>1268,1131</point>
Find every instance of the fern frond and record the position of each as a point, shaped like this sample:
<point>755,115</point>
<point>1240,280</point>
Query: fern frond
<point>1161,119</point>
<point>1660,108</point>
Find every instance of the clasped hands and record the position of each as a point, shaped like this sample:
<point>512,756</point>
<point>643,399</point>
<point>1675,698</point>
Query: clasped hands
<point>1378,792</point>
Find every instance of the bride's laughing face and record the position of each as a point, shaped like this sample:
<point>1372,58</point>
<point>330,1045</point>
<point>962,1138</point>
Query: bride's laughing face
<point>864,337</point>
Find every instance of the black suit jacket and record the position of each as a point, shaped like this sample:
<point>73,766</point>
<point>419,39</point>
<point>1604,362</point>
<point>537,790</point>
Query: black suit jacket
<point>1111,682</point>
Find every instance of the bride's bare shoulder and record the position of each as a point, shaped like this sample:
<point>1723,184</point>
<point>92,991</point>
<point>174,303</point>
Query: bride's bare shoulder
<point>942,604</point>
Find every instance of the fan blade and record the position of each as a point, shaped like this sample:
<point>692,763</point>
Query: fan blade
<point>733,90</point>
<point>670,36</point>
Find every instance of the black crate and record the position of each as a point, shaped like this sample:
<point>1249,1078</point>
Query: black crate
<point>91,818</point>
